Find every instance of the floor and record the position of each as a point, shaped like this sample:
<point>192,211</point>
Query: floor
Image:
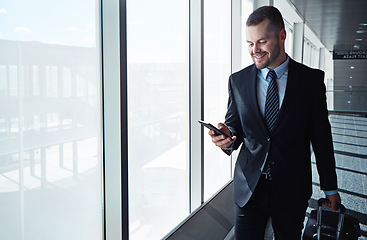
<point>350,146</point>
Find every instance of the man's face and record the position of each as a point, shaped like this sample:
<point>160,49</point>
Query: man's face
<point>264,46</point>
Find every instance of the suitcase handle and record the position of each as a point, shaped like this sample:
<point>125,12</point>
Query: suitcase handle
<point>340,206</point>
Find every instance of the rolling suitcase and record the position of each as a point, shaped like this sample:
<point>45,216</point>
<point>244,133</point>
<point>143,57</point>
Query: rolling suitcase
<point>327,225</point>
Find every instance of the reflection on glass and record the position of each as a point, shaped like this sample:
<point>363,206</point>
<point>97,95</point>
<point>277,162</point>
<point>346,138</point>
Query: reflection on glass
<point>50,157</point>
<point>246,10</point>
<point>217,68</point>
<point>158,116</point>
<point>348,98</point>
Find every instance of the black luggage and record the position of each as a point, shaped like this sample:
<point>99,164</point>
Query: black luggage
<point>327,225</point>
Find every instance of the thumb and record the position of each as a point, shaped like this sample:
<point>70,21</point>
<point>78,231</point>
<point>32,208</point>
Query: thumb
<point>221,125</point>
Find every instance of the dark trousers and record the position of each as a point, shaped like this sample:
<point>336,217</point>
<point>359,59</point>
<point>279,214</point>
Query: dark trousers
<point>251,220</point>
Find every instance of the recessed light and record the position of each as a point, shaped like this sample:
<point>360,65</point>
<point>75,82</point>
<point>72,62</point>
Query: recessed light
<point>350,77</point>
<point>363,24</point>
<point>352,67</point>
<point>360,31</point>
<point>356,46</point>
<point>359,39</point>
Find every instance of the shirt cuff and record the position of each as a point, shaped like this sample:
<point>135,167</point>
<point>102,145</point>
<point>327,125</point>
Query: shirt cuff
<point>331,192</point>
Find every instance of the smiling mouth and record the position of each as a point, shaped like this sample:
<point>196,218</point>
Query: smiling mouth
<point>259,56</point>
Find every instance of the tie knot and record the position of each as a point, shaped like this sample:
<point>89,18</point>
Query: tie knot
<point>272,74</point>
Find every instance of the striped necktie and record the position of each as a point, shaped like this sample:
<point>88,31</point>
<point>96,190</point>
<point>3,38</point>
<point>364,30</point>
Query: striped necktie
<point>271,112</point>
<point>271,102</point>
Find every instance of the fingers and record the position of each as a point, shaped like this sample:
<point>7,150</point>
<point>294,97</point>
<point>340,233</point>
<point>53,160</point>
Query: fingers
<point>221,141</point>
<point>335,198</point>
<point>216,138</point>
<point>211,133</point>
<point>226,143</point>
<point>332,206</point>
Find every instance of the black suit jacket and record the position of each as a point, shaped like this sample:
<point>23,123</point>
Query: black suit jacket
<point>303,118</point>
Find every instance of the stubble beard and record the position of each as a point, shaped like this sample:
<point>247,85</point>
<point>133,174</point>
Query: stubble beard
<point>270,57</point>
<point>264,63</point>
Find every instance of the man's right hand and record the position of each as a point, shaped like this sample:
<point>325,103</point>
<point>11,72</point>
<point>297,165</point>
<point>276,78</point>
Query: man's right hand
<point>220,140</point>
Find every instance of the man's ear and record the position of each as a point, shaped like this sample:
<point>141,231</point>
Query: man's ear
<point>282,35</point>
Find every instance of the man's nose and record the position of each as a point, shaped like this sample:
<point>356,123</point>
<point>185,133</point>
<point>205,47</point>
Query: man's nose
<point>256,48</point>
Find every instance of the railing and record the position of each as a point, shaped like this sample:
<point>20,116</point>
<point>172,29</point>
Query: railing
<point>347,98</point>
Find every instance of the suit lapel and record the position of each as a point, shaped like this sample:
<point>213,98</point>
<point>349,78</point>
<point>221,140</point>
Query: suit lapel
<point>290,92</point>
<point>294,74</point>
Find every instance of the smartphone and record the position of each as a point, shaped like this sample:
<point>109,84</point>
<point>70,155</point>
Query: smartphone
<point>211,127</point>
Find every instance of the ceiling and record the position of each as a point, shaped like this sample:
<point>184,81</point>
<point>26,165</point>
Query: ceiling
<point>336,23</point>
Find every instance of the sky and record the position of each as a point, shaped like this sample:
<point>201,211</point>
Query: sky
<point>67,22</point>
<point>157,29</point>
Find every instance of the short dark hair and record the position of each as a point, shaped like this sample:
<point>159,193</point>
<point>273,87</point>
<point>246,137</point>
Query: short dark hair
<point>267,12</point>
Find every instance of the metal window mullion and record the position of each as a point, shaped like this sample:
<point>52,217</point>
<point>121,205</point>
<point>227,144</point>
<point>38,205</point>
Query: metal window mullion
<point>124,121</point>
<point>236,50</point>
<point>114,108</point>
<point>196,104</point>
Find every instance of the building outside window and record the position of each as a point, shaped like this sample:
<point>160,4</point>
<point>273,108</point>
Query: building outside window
<point>158,116</point>
<point>50,121</point>
<point>217,68</point>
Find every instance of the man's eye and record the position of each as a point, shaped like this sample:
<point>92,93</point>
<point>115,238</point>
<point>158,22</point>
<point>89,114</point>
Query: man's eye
<point>262,42</point>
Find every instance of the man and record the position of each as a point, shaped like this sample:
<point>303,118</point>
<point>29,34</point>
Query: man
<point>275,116</point>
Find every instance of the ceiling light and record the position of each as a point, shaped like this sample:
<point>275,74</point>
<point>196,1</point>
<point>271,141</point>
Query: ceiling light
<point>360,31</point>
<point>352,67</point>
<point>356,46</point>
<point>350,77</point>
<point>363,24</point>
<point>359,39</point>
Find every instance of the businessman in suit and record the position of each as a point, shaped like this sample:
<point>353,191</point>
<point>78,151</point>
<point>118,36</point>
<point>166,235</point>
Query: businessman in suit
<point>276,108</point>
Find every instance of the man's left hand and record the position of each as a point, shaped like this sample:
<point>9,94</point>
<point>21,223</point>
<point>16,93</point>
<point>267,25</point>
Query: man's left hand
<point>333,199</point>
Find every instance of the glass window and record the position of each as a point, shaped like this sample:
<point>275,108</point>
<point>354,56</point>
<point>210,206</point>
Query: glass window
<point>289,38</point>
<point>310,54</point>
<point>158,116</point>
<point>247,8</point>
<point>217,68</point>
<point>306,52</point>
<point>50,175</point>
<point>315,57</point>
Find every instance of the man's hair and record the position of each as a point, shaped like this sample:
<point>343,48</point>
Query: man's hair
<point>267,12</point>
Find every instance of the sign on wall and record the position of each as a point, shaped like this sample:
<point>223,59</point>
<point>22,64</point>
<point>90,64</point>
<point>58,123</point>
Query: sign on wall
<point>350,54</point>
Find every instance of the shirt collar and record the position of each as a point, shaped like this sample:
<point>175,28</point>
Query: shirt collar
<point>280,70</point>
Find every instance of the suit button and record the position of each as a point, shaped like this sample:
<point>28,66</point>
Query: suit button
<point>268,139</point>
